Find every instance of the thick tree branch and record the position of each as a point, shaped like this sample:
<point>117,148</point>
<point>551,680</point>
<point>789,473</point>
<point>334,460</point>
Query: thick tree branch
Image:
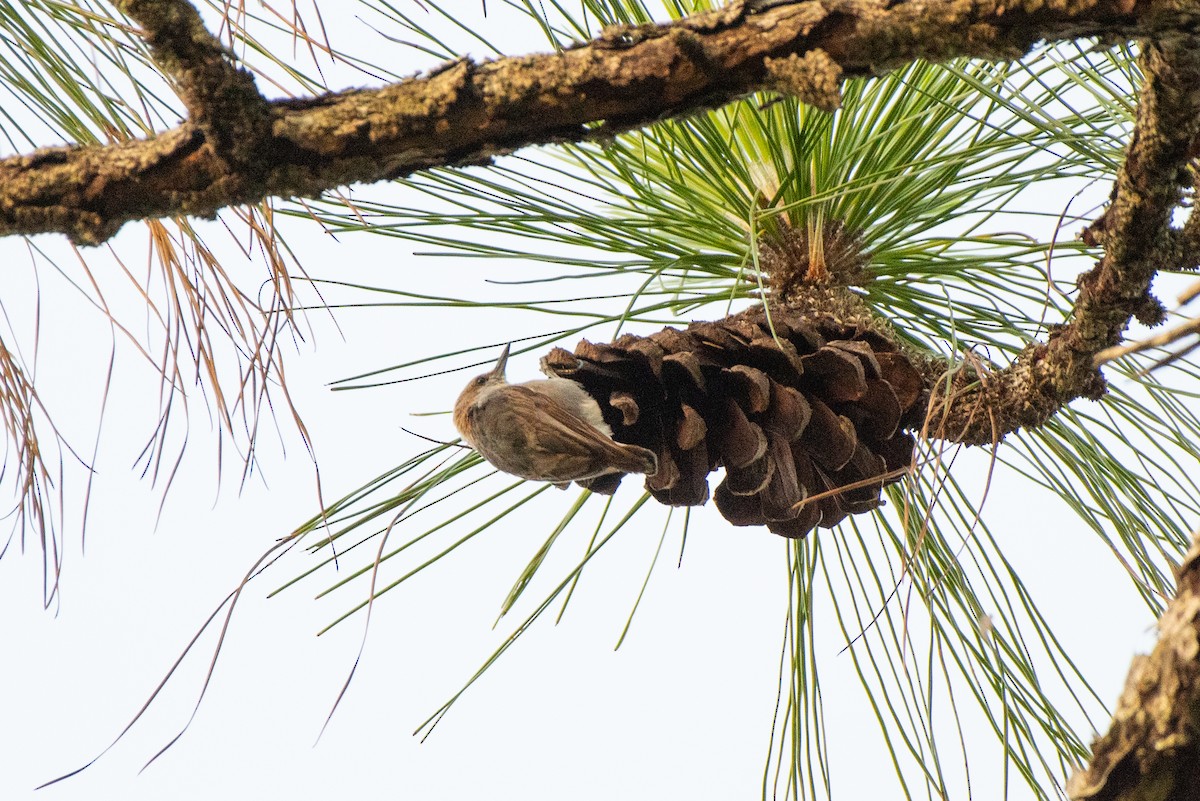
<point>221,99</point>
<point>1151,752</point>
<point>1138,240</point>
<point>466,113</point>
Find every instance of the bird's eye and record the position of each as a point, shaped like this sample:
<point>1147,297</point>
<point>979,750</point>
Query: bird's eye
<point>479,382</point>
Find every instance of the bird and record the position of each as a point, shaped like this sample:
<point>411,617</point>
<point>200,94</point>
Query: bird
<point>549,429</point>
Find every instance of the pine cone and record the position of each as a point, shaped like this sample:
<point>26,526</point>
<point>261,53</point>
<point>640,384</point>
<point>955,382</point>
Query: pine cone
<point>818,408</point>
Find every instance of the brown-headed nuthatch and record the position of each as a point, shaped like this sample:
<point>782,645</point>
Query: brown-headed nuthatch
<point>544,430</point>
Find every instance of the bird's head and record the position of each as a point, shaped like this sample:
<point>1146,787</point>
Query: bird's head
<point>477,385</point>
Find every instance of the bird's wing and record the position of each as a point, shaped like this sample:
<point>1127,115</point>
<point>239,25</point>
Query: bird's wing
<point>580,450</point>
<point>574,435</point>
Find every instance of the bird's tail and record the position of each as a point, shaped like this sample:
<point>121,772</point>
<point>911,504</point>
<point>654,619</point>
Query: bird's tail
<point>636,459</point>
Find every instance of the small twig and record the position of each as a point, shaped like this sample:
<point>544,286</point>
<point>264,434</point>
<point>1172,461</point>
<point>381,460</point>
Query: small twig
<point>1189,294</point>
<point>1157,341</point>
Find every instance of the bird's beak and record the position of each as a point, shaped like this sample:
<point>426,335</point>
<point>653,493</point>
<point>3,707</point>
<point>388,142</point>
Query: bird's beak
<point>498,370</point>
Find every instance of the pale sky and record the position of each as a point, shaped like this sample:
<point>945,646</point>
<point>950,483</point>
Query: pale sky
<point>682,710</point>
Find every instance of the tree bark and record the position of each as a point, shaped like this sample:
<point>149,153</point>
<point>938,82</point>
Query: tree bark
<point>238,148</point>
<point>1151,752</point>
<point>1138,239</point>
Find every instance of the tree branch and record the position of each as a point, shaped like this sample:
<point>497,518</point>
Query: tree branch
<point>221,99</point>
<point>235,150</point>
<point>1138,240</point>
<point>1151,749</point>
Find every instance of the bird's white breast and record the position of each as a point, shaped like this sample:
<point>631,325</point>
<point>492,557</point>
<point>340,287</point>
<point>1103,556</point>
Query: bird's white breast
<point>572,396</point>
